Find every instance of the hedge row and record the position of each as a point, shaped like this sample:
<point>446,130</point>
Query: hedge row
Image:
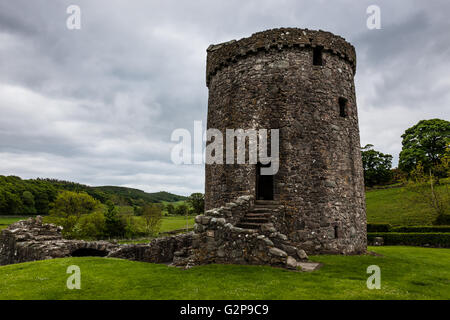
<point>412,239</point>
<point>422,229</point>
<point>384,227</point>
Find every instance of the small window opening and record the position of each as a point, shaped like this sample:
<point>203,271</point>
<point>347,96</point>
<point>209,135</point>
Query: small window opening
<point>343,107</point>
<point>317,56</point>
<point>336,232</point>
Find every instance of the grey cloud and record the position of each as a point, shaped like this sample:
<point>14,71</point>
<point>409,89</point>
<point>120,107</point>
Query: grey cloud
<point>98,105</point>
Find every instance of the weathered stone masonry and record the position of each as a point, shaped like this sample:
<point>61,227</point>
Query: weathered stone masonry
<point>270,81</point>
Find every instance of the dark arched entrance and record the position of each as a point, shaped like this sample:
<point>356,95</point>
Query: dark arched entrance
<point>264,183</point>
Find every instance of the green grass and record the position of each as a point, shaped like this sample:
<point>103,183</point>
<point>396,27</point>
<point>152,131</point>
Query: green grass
<point>6,221</point>
<point>168,223</point>
<point>176,222</point>
<point>406,273</point>
<point>395,206</point>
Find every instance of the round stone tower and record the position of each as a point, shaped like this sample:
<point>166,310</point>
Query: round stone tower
<point>301,82</point>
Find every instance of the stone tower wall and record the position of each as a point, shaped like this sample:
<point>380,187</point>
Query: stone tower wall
<point>268,81</point>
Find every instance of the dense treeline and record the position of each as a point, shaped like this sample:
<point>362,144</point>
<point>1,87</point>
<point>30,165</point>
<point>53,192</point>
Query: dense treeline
<point>35,196</point>
<point>25,197</point>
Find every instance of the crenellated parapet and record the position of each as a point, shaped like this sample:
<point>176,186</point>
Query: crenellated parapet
<point>224,54</point>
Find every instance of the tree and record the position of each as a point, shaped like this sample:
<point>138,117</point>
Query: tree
<point>152,215</point>
<point>182,209</point>
<point>424,189</point>
<point>376,165</point>
<point>197,201</point>
<point>170,209</point>
<point>69,207</point>
<point>426,142</point>
<point>28,203</point>
<point>114,227</point>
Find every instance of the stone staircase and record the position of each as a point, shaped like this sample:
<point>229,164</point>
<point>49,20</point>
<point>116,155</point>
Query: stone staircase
<point>258,215</point>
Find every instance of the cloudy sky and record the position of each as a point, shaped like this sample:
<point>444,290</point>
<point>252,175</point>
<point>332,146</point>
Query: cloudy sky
<point>98,105</point>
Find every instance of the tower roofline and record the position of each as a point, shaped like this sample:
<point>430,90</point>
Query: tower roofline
<point>223,54</point>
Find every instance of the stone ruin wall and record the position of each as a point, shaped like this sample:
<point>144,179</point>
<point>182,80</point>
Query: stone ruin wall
<point>215,240</point>
<point>219,240</point>
<point>269,81</point>
<point>31,240</point>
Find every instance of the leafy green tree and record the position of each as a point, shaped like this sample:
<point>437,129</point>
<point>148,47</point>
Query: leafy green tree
<point>28,203</point>
<point>424,189</point>
<point>14,203</point>
<point>90,226</point>
<point>426,142</point>
<point>114,226</point>
<point>152,215</point>
<point>182,209</point>
<point>69,207</point>
<point>18,196</point>
<point>197,202</point>
<point>377,166</point>
<point>170,209</point>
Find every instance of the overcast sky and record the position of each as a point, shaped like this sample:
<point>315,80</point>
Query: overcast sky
<point>98,105</point>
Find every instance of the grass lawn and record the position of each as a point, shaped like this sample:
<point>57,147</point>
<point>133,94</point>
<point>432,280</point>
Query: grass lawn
<point>176,222</point>
<point>406,273</point>
<point>6,221</point>
<point>394,206</point>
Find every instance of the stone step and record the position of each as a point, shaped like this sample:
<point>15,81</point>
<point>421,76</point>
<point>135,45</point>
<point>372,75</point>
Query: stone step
<point>266,206</point>
<point>249,225</point>
<point>264,202</point>
<point>258,214</point>
<point>253,219</point>
<point>260,209</point>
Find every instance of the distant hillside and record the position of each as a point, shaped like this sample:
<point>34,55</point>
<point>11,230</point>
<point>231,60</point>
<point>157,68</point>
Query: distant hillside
<point>136,194</point>
<point>119,195</point>
<point>34,196</point>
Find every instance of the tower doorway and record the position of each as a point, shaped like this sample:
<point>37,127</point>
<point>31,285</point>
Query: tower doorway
<point>264,183</point>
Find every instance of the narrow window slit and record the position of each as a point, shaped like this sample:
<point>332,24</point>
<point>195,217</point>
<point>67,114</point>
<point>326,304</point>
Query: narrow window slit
<point>317,56</point>
<point>336,232</point>
<point>343,107</point>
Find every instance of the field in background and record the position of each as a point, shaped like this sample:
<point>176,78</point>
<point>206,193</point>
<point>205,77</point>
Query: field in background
<point>6,221</point>
<point>168,223</point>
<point>393,206</point>
<point>176,222</point>
<point>396,207</point>
<point>406,273</point>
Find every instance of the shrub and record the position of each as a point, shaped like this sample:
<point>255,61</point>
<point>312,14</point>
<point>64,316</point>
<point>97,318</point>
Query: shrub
<point>413,239</point>
<point>90,226</point>
<point>152,215</point>
<point>378,227</point>
<point>442,219</point>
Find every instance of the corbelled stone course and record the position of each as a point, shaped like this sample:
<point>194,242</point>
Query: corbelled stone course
<point>224,54</point>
